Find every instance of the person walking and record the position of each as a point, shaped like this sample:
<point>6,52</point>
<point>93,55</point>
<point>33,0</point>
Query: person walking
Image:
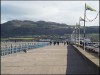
<point>58,43</point>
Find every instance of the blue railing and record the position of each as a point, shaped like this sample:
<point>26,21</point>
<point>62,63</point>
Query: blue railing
<point>19,48</point>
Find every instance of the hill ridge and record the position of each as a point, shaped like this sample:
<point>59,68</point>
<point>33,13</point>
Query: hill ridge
<point>27,27</point>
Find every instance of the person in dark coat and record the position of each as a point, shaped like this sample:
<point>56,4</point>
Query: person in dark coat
<point>54,42</point>
<point>50,42</point>
<point>67,42</point>
<point>57,43</point>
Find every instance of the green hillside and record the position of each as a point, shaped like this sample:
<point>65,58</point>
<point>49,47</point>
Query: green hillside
<point>16,28</point>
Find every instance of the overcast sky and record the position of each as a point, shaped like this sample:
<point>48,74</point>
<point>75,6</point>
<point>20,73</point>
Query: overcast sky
<point>67,12</point>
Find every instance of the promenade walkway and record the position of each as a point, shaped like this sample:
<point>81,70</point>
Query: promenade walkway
<point>58,59</point>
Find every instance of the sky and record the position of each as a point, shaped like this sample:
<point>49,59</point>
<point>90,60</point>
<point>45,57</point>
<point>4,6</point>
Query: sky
<point>67,12</point>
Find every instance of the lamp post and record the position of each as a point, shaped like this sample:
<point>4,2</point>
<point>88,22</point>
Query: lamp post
<point>84,24</point>
<point>76,31</point>
<point>79,33</point>
<point>75,35</point>
<point>80,19</point>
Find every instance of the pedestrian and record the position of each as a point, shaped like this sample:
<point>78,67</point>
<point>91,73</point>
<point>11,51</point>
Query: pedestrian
<point>57,43</point>
<point>50,42</point>
<point>54,42</point>
<point>67,42</point>
<point>64,42</point>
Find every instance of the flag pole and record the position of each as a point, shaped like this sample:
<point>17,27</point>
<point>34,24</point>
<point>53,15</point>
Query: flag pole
<point>84,24</point>
<point>79,32</point>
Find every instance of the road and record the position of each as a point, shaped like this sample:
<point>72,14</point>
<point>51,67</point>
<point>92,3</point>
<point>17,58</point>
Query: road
<point>78,65</point>
<point>58,59</point>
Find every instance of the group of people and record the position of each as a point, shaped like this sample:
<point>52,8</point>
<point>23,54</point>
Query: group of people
<point>57,42</point>
<point>54,42</point>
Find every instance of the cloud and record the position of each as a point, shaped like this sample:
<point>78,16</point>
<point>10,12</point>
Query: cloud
<point>57,11</point>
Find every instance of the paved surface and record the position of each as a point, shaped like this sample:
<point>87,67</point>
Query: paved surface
<point>94,58</point>
<point>46,60</point>
<point>60,59</point>
<point>77,65</point>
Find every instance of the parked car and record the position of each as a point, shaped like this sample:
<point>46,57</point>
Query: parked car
<point>96,49</point>
<point>89,47</point>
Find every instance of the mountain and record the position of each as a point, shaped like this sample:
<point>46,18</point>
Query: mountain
<point>23,28</point>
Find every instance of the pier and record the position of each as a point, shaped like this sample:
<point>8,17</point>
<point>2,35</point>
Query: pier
<point>51,59</point>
